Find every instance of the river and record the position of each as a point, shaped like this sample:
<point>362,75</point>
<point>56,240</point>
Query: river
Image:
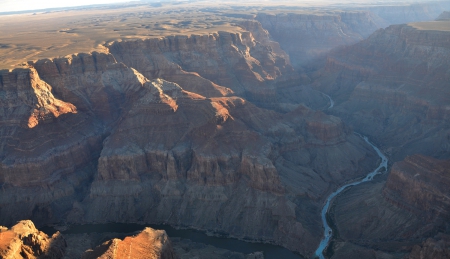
<point>328,232</point>
<point>331,101</point>
<point>232,244</point>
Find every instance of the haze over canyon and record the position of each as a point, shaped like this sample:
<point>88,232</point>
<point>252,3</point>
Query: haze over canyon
<point>235,120</point>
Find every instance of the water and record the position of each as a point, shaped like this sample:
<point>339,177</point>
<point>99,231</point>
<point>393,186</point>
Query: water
<point>331,101</point>
<point>232,244</point>
<point>327,229</point>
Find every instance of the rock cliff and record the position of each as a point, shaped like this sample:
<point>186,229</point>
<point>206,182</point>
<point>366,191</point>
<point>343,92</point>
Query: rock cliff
<point>212,65</point>
<point>437,248</point>
<point>23,240</point>
<point>306,36</point>
<point>149,244</point>
<point>393,86</point>
<point>147,150</point>
<point>419,184</point>
<point>410,12</point>
<point>396,216</point>
<point>445,16</point>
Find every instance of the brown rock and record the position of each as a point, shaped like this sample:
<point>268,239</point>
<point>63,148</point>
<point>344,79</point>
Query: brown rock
<point>392,86</point>
<point>420,184</point>
<point>148,244</point>
<point>306,36</point>
<point>217,63</point>
<point>436,248</point>
<point>23,240</point>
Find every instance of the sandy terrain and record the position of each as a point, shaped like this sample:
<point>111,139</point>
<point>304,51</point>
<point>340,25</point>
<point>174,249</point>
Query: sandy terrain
<point>53,34</point>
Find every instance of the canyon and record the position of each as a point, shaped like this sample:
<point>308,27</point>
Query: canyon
<point>241,130</point>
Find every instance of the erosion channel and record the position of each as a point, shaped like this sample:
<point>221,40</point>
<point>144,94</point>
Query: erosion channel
<point>328,232</point>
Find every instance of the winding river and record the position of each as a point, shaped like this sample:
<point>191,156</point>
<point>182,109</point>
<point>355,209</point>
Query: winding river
<point>331,101</point>
<point>328,232</point>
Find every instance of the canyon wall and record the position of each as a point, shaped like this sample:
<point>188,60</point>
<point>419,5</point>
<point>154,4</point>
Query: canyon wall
<point>117,146</point>
<point>414,12</point>
<point>147,244</point>
<point>23,240</point>
<point>406,215</point>
<point>392,86</point>
<point>307,36</point>
<point>230,63</point>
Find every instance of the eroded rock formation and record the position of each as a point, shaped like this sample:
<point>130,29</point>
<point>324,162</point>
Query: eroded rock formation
<point>306,36</point>
<point>23,240</point>
<point>143,149</point>
<point>398,215</point>
<point>148,244</point>
<point>437,248</point>
<point>393,86</point>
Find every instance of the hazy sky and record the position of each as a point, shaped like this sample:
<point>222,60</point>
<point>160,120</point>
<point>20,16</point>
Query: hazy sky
<point>20,5</point>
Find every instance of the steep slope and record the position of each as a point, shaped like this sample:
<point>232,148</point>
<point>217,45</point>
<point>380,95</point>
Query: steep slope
<point>445,16</point>
<point>432,248</point>
<point>149,151</point>
<point>149,243</point>
<point>220,61</point>
<point>399,215</point>
<point>393,86</point>
<point>399,13</point>
<point>306,36</point>
<point>23,240</point>
<point>214,165</point>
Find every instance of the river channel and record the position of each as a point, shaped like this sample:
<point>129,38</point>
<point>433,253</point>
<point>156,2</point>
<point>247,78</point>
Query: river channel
<point>232,244</point>
<point>328,232</point>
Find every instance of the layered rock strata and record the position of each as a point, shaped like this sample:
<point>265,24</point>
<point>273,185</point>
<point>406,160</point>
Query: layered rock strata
<point>420,184</point>
<point>306,36</point>
<point>23,240</point>
<point>437,247</point>
<point>397,216</point>
<point>410,12</point>
<point>148,244</point>
<point>393,86</point>
<point>149,151</point>
<point>213,65</point>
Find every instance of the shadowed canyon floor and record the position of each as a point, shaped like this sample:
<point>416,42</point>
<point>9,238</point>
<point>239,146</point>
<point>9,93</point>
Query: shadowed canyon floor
<point>234,119</point>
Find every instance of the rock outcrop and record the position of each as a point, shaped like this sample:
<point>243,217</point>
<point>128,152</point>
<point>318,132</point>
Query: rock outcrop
<point>306,36</point>
<point>141,150</point>
<point>212,64</point>
<point>420,184</point>
<point>148,244</point>
<point>23,240</point>
<point>392,86</point>
<point>397,216</point>
<point>410,12</point>
<point>445,16</point>
<point>436,248</point>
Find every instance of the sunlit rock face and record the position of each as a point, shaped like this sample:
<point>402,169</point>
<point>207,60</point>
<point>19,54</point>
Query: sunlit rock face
<point>149,243</point>
<point>126,147</point>
<point>23,240</point>
<point>213,65</point>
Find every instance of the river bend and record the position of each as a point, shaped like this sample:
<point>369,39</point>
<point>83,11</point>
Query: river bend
<point>328,232</point>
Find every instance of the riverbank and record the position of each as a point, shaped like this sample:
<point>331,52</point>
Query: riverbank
<point>328,232</point>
